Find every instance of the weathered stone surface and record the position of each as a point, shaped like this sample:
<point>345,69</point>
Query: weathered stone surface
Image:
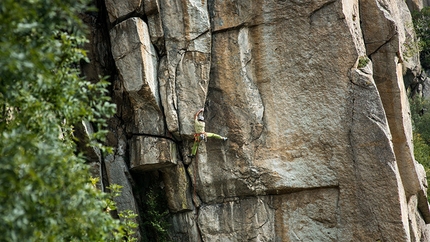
<point>188,47</point>
<point>151,6</point>
<point>119,8</point>
<point>389,80</point>
<point>426,85</point>
<point>303,216</point>
<point>152,11</point>
<point>242,220</point>
<point>415,5</point>
<point>118,173</point>
<point>177,187</point>
<point>149,153</point>
<point>136,60</point>
<point>307,216</point>
<point>169,98</point>
<point>83,131</point>
<point>375,165</point>
<point>295,147</point>
<point>409,53</point>
<point>282,145</point>
<point>319,144</point>
<point>184,227</point>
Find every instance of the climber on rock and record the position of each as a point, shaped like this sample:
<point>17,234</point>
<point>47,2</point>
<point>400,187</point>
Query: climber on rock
<point>200,135</point>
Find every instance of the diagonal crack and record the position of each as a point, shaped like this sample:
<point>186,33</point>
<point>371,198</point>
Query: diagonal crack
<point>321,8</point>
<point>382,45</point>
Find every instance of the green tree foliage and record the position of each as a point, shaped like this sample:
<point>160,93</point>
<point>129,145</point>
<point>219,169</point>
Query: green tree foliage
<point>155,216</point>
<point>128,225</point>
<point>45,193</point>
<point>420,112</point>
<point>421,22</point>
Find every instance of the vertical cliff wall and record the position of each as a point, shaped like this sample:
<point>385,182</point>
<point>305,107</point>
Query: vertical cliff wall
<point>310,95</point>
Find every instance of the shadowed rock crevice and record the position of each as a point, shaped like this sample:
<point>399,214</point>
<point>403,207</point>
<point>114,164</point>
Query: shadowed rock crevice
<point>130,15</point>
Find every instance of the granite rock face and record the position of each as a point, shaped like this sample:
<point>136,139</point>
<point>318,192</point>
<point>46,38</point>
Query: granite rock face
<point>311,97</point>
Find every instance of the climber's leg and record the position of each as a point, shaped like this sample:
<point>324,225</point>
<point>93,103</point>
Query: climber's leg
<point>215,136</point>
<point>195,148</point>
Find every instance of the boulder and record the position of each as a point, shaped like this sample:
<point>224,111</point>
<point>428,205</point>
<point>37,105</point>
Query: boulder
<point>118,173</point>
<point>386,54</point>
<point>186,69</point>
<point>119,9</point>
<point>152,11</point>
<point>177,187</point>
<point>136,60</point>
<point>184,227</point>
<point>151,153</point>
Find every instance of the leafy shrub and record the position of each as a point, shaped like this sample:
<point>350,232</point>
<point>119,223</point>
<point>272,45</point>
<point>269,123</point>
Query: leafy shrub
<point>421,22</point>
<point>420,112</point>
<point>45,193</point>
<point>128,225</point>
<point>155,216</point>
<point>363,61</point>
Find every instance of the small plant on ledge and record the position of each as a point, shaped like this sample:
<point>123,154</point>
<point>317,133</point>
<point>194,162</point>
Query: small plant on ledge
<point>362,62</point>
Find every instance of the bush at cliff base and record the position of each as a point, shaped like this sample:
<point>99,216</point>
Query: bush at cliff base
<point>45,191</point>
<point>421,22</point>
<point>420,113</point>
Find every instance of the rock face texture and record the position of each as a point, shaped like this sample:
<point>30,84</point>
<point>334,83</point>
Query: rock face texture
<point>310,95</point>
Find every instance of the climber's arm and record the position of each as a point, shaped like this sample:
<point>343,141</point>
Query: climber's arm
<point>198,112</point>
